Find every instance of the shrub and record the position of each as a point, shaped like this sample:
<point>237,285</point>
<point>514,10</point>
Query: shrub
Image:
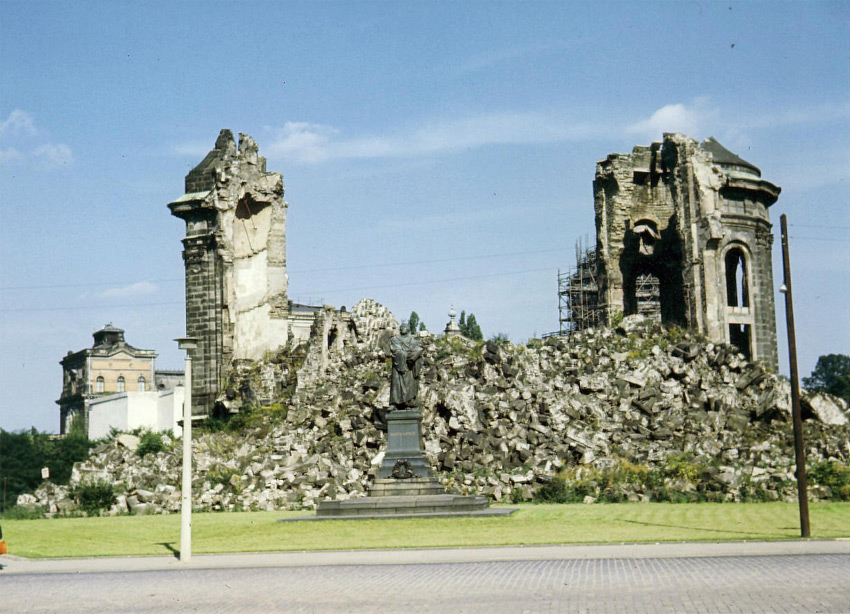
<point>534,343</point>
<point>753,493</point>
<point>684,467</point>
<point>24,512</point>
<point>553,491</point>
<point>835,475</point>
<point>221,475</point>
<point>92,497</point>
<point>616,318</point>
<point>150,443</point>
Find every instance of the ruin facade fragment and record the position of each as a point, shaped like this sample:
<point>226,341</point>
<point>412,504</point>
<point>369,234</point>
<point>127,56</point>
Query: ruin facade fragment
<point>235,258</point>
<point>684,236</point>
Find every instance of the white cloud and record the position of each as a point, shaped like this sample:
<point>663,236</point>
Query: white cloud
<point>55,155</point>
<point>18,121</point>
<point>700,119</point>
<point>22,141</point>
<point>316,143</point>
<point>304,141</point>
<point>140,288</point>
<point>687,119</point>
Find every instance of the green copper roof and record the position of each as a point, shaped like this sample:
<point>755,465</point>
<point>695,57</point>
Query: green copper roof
<point>724,157</point>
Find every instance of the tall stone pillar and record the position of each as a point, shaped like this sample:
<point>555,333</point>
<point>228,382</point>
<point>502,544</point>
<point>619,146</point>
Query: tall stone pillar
<point>235,258</point>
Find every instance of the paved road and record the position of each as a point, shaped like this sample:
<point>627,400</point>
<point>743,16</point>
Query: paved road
<point>664,578</point>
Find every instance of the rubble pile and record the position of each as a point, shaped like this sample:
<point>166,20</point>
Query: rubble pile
<point>502,420</point>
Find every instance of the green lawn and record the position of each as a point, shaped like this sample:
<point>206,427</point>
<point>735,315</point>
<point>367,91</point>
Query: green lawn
<point>533,524</point>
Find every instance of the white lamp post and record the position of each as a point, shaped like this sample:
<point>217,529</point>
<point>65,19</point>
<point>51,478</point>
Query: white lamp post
<point>188,344</point>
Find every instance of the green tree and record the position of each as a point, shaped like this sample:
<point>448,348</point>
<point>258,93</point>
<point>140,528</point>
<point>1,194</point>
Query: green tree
<point>831,375</point>
<point>415,323</point>
<point>473,331</point>
<point>23,454</point>
<point>469,327</point>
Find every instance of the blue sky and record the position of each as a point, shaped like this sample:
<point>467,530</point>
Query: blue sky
<point>434,153</point>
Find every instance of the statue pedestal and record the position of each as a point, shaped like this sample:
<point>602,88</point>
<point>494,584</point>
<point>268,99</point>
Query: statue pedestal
<point>405,485</point>
<point>405,456</point>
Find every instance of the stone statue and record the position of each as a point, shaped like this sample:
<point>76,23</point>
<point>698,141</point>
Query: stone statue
<point>407,367</point>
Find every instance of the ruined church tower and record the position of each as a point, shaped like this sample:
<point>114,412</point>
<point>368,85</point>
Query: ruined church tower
<point>235,258</point>
<point>683,235</point>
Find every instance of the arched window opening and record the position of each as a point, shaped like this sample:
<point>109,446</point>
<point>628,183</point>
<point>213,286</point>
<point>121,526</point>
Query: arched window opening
<point>98,384</point>
<point>737,284</point>
<point>120,383</point>
<point>142,383</point>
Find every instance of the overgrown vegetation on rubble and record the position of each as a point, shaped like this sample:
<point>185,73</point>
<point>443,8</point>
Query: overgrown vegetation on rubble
<point>150,443</point>
<point>637,414</point>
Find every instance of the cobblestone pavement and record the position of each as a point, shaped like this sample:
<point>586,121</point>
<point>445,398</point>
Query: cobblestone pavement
<point>782,583</point>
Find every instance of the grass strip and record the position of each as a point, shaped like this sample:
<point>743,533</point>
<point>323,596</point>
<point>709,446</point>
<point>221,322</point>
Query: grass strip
<point>533,524</point>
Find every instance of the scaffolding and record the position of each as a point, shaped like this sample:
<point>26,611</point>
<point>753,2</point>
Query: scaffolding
<point>648,296</point>
<point>579,303</point>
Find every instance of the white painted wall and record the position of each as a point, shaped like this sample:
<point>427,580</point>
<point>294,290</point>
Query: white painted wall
<point>125,411</point>
<point>170,410</point>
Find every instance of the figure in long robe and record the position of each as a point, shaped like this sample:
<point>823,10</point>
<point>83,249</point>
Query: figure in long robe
<point>407,367</point>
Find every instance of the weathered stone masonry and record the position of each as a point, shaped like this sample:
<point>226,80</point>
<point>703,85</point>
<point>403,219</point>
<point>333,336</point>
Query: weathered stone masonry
<point>683,232</point>
<point>235,258</point>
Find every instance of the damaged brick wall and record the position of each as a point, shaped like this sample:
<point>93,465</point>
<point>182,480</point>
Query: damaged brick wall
<point>690,219</point>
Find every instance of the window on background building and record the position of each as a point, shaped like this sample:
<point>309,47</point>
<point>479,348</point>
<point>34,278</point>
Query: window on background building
<point>142,383</point>
<point>120,383</point>
<point>98,385</point>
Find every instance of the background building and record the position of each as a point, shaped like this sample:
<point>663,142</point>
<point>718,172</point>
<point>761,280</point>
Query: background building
<point>113,384</point>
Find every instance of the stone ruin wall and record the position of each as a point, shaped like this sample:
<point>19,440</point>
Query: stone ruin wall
<point>235,258</point>
<point>689,214</point>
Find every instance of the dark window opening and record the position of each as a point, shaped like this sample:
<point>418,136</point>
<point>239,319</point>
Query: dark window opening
<point>651,266</point>
<point>739,336</point>
<point>737,284</point>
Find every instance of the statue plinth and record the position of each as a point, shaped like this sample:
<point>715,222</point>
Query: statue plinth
<point>405,484</point>
<point>405,455</point>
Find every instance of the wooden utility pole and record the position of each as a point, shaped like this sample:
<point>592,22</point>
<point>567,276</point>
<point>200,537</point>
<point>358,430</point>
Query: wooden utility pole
<point>802,486</point>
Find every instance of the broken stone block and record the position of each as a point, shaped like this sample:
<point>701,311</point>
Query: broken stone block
<point>125,440</point>
<point>825,408</point>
